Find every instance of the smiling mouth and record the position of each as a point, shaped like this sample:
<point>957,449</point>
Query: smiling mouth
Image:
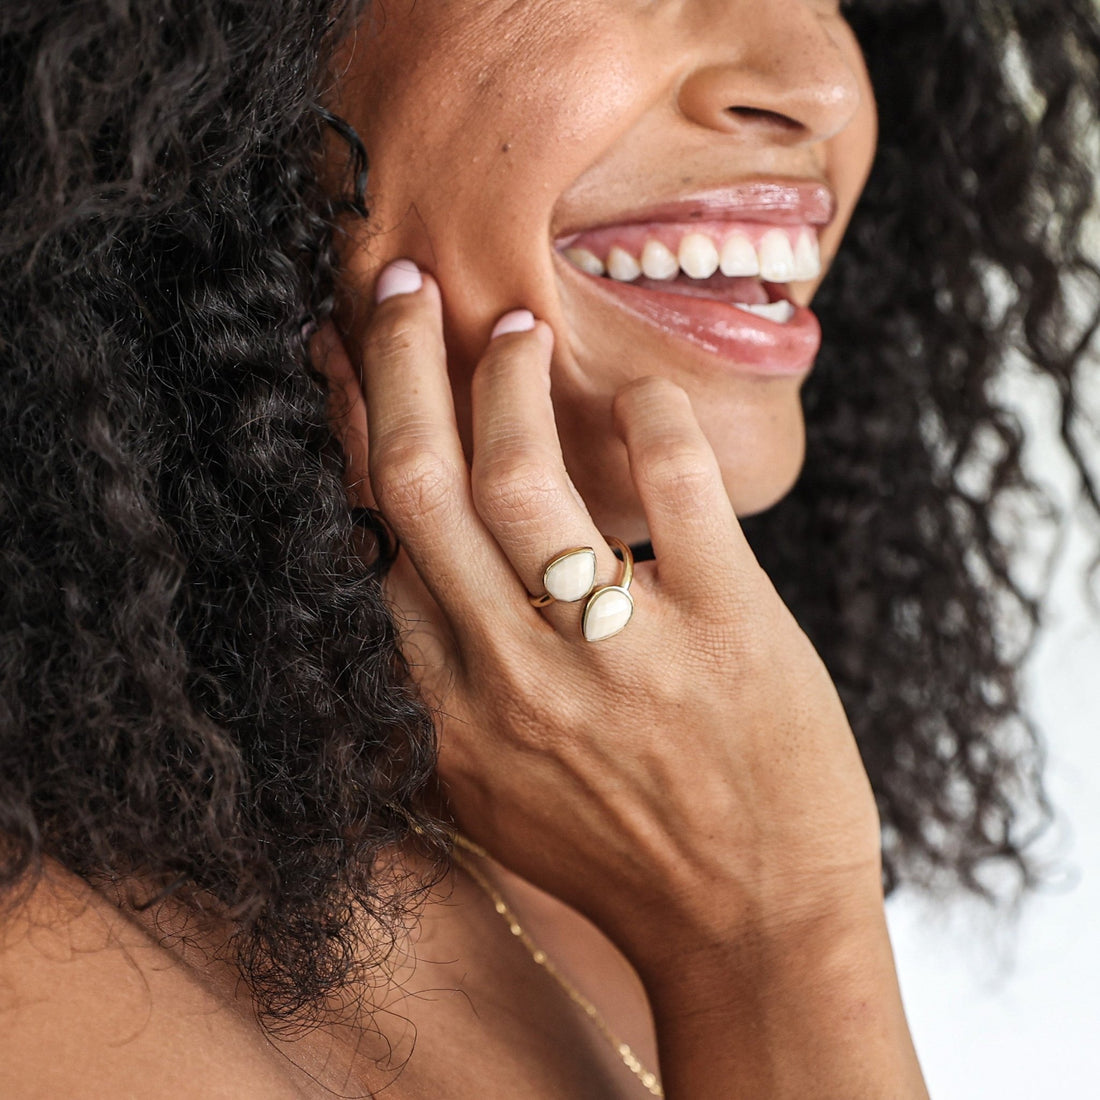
<point>723,286</point>
<point>745,265</point>
<point>717,269</point>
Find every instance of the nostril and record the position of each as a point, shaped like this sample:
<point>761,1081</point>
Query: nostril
<point>760,114</point>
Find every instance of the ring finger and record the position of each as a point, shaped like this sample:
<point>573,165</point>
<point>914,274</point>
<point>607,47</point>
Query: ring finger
<point>520,486</point>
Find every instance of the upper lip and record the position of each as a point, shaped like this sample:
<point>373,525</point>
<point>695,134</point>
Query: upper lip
<point>776,201</point>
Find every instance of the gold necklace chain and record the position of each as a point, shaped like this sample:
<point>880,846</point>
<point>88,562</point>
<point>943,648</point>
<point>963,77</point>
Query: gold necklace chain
<point>648,1079</point>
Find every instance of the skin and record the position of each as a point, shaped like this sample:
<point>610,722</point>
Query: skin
<point>574,114</point>
<point>697,769</point>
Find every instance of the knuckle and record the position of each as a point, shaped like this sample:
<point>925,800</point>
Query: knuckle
<point>411,481</point>
<point>730,642</point>
<point>394,336</point>
<point>745,638</point>
<point>515,489</point>
<point>675,469</point>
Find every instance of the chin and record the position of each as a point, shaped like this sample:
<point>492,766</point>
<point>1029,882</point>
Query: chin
<point>756,487</point>
<point>757,475</point>
<point>760,452</point>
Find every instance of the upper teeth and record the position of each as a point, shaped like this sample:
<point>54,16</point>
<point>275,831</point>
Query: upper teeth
<point>698,256</point>
<point>659,262</point>
<point>621,265</point>
<point>774,258</point>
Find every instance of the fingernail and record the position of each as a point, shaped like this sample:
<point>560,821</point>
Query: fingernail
<point>400,277</point>
<point>519,320</point>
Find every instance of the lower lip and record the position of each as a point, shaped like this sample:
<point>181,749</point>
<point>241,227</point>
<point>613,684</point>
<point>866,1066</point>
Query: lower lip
<point>751,343</point>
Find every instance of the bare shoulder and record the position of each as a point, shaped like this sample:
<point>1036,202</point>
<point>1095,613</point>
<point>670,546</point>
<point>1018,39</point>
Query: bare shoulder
<point>92,1006</point>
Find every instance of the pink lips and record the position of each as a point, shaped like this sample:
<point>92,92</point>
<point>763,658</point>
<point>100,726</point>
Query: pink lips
<point>741,338</point>
<point>745,341</point>
<point>781,203</point>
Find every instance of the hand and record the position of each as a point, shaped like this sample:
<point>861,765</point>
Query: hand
<point>698,764</point>
<point>690,784</point>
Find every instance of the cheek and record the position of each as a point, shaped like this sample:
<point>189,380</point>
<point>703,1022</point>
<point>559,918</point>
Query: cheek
<point>448,106</point>
<point>852,152</point>
<point>474,128</point>
<point>861,140</point>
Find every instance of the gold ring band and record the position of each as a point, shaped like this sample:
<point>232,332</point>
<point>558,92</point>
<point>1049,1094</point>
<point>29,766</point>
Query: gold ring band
<point>627,556</point>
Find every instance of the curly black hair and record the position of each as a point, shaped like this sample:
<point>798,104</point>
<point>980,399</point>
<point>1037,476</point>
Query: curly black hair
<point>200,685</point>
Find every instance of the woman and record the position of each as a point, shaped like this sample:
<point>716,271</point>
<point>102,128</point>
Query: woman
<point>567,304</point>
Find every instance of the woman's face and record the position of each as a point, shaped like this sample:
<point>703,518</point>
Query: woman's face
<point>514,144</point>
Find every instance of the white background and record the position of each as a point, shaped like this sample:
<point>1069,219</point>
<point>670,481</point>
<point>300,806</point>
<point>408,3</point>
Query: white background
<point>1015,1015</point>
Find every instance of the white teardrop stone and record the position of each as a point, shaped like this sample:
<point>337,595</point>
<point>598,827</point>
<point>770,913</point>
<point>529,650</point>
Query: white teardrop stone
<point>571,577</point>
<point>607,613</point>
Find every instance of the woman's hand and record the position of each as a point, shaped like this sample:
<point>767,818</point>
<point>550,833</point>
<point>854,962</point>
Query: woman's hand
<point>703,750</point>
<point>690,784</point>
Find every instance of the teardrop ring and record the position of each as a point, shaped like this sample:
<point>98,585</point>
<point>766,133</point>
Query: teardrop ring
<point>571,576</point>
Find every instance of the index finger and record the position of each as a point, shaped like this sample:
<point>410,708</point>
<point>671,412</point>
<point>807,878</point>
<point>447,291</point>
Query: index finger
<point>418,469</point>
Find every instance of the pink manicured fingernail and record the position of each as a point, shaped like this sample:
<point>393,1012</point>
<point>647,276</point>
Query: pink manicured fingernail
<point>519,320</point>
<point>401,277</point>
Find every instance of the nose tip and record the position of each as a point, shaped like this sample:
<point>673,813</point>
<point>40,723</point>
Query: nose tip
<point>782,71</point>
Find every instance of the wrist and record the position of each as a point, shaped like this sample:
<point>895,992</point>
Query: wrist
<point>808,1005</point>
<point>772,952</point>
<point>768,945</point>
<point>768,927</point>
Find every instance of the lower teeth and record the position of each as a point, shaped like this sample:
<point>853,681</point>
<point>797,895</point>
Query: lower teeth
<point>780,312</point>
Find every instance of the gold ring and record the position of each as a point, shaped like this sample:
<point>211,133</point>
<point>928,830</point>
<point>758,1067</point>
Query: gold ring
<point>571,576</point>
